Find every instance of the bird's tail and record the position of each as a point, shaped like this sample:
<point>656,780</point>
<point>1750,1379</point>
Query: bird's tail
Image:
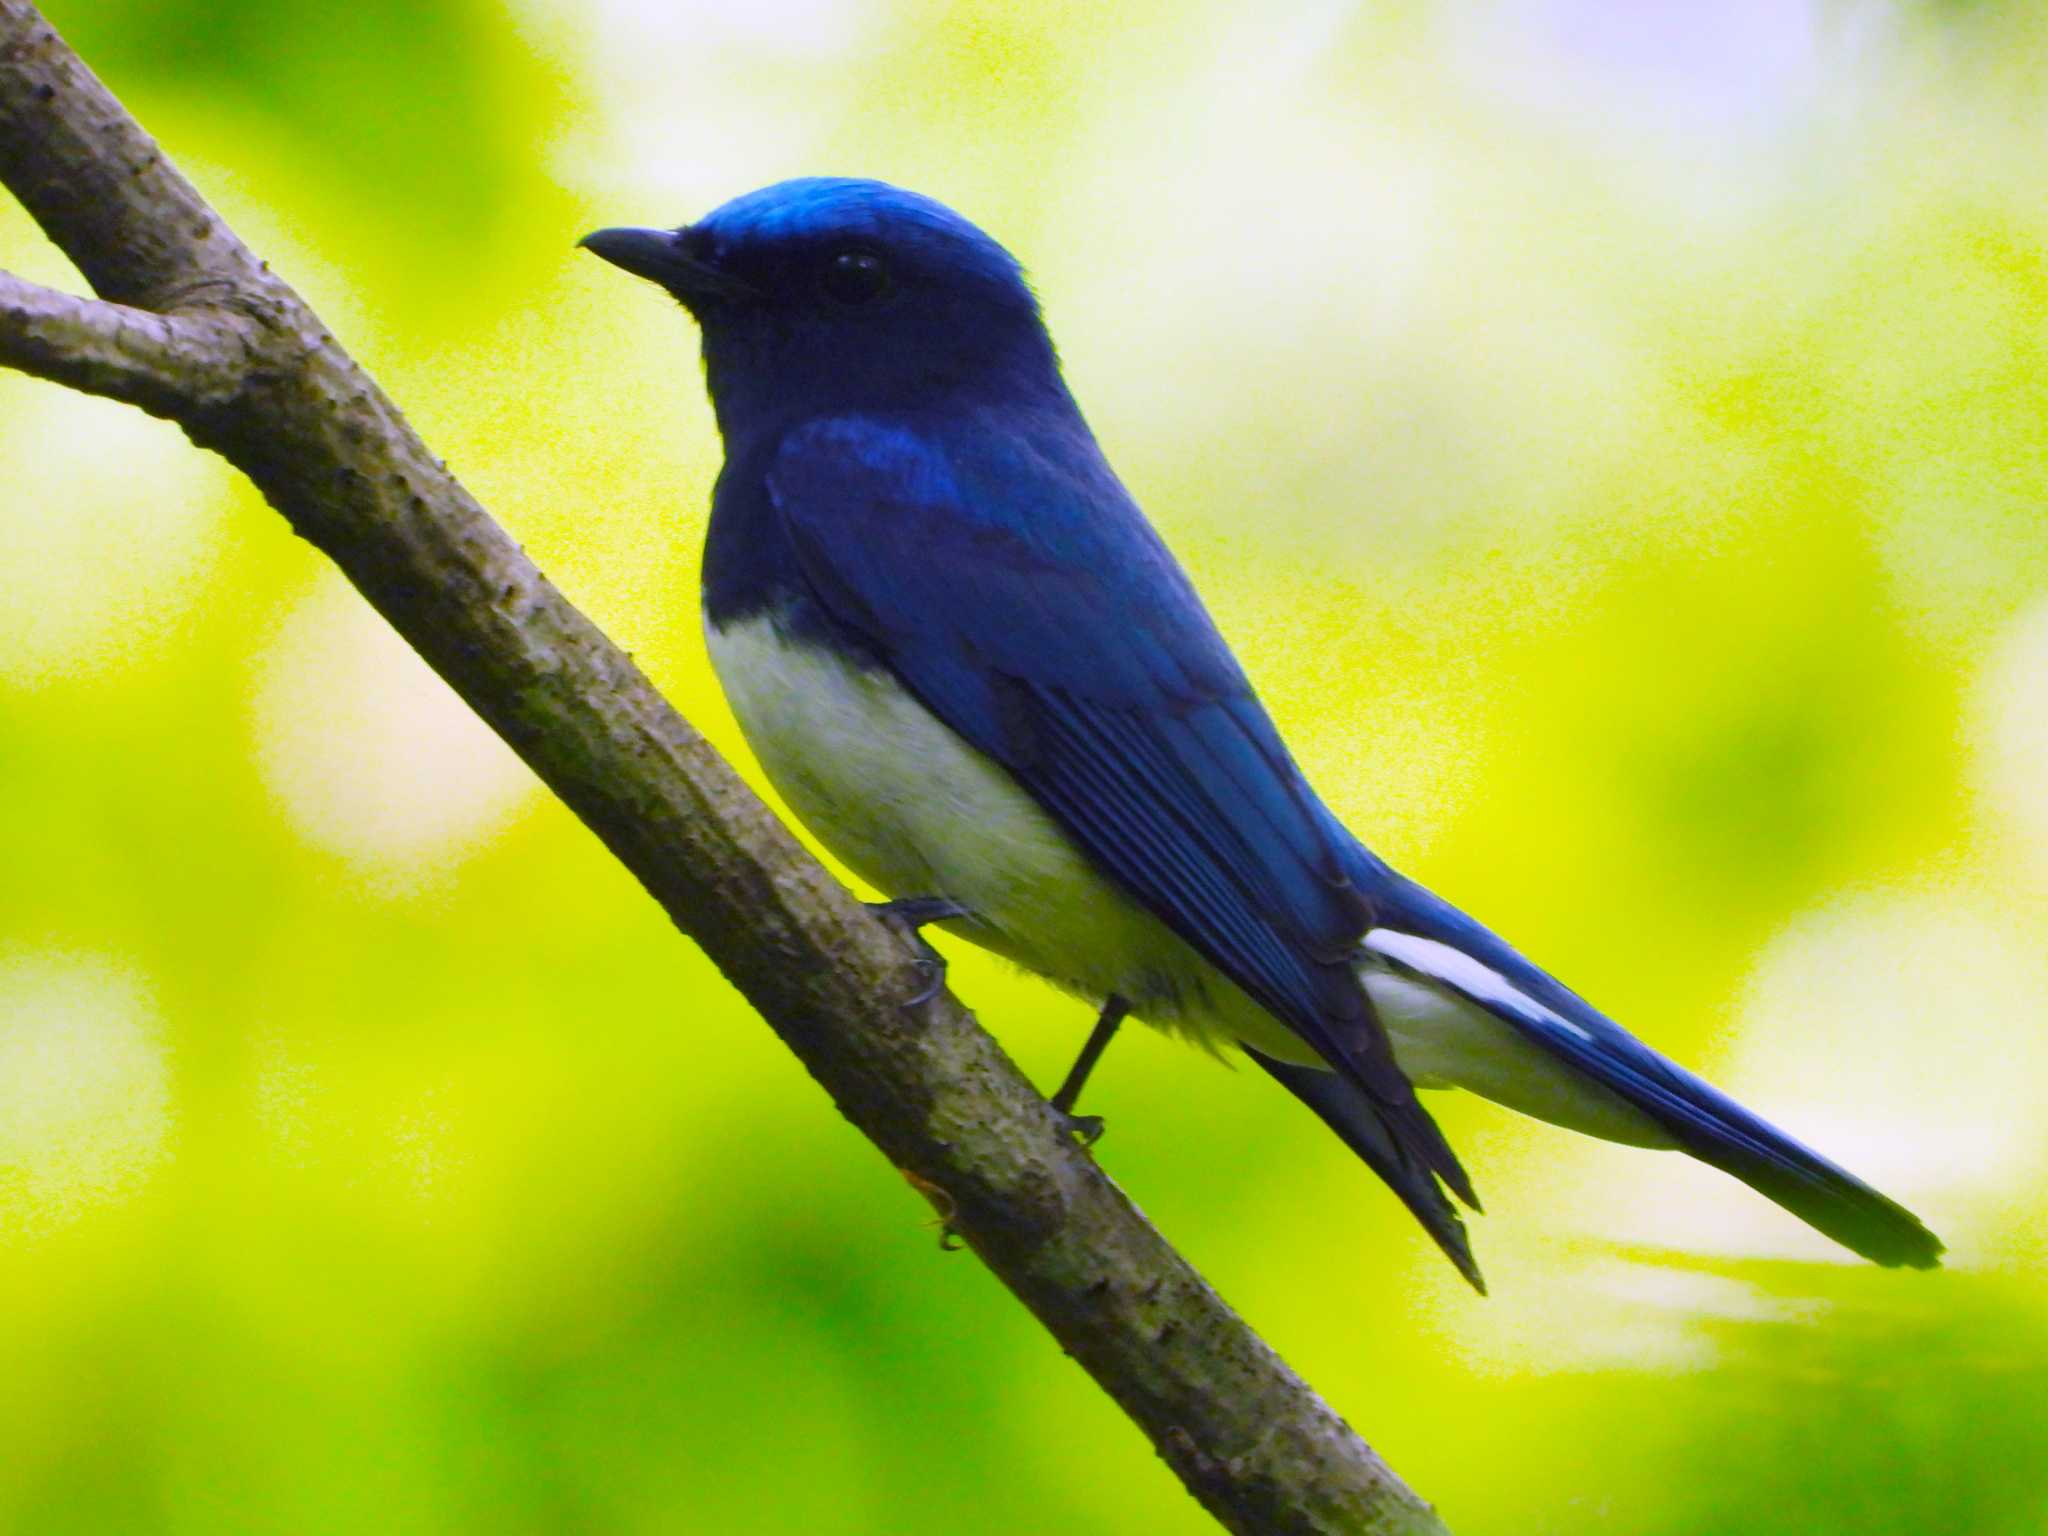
<point>1462,960</point>
<point>1718,1131</point>
<point>1359,1119</point>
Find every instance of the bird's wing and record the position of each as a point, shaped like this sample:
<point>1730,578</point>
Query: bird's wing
<point>1005,578</point>
<point>1349,1111</point>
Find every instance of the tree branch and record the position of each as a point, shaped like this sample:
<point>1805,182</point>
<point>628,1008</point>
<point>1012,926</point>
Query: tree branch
<point>214,340</point>
<point>168,365</point>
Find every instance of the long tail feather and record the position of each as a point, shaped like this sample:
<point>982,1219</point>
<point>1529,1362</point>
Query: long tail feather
<point>1460,956</point>
<point>1715,1129</point>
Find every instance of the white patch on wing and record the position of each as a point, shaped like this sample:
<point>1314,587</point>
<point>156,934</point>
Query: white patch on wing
<point>1437,1012</point>
<point>1461,972</point>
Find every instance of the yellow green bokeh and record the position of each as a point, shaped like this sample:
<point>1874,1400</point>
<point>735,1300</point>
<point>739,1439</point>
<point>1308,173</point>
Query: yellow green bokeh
<point>1613,436</point>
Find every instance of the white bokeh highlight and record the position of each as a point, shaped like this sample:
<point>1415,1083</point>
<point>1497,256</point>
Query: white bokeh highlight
<point>1898,1031</point>
<point>1605,1313</point>
<point>371,756</point>
<point>85,1094</point>
<point>109,522</point>
<point>2011,736</point>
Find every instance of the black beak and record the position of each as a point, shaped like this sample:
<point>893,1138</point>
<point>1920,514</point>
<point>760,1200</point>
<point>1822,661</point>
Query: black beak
<point>659,256</point>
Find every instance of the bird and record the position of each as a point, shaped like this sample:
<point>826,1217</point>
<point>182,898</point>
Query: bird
<point>967,662</point>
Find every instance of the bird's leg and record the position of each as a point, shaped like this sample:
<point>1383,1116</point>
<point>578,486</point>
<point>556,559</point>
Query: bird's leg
<point>907,916</point>
<point>1089,1127</point>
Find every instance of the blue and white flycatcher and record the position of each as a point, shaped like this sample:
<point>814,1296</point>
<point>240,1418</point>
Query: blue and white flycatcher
<point>967,661</point>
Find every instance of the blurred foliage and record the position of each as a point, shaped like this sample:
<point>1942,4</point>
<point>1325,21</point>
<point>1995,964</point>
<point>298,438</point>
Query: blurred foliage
<point>1611,433</point>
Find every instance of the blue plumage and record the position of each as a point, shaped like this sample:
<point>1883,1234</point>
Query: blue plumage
<point>1698,1116</point>
<point>1053,630</point>
<point>971,664</point>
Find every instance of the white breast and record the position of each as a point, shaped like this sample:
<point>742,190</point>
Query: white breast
<point>893,792</point>
<point>912,809</point>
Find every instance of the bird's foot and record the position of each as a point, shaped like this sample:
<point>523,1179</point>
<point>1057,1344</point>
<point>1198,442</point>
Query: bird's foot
<point>1086,1129</point>
<point>907,916</point>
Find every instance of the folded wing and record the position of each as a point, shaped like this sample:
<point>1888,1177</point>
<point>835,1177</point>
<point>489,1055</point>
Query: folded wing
<point>1004,577</point>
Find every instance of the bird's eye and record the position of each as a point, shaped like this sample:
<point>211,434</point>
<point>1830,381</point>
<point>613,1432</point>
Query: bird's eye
<point>855,278</point>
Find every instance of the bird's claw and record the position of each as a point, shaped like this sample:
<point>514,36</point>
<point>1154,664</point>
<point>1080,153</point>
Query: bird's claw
<point>1086,1129</point>
<point>907,916</point>
<point>933,968</point>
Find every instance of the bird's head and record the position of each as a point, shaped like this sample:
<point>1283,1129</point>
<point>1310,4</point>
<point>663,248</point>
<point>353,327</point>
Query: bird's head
<point>830,294</point>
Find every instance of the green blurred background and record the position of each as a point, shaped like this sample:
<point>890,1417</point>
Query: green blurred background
<point>1612,435</point>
